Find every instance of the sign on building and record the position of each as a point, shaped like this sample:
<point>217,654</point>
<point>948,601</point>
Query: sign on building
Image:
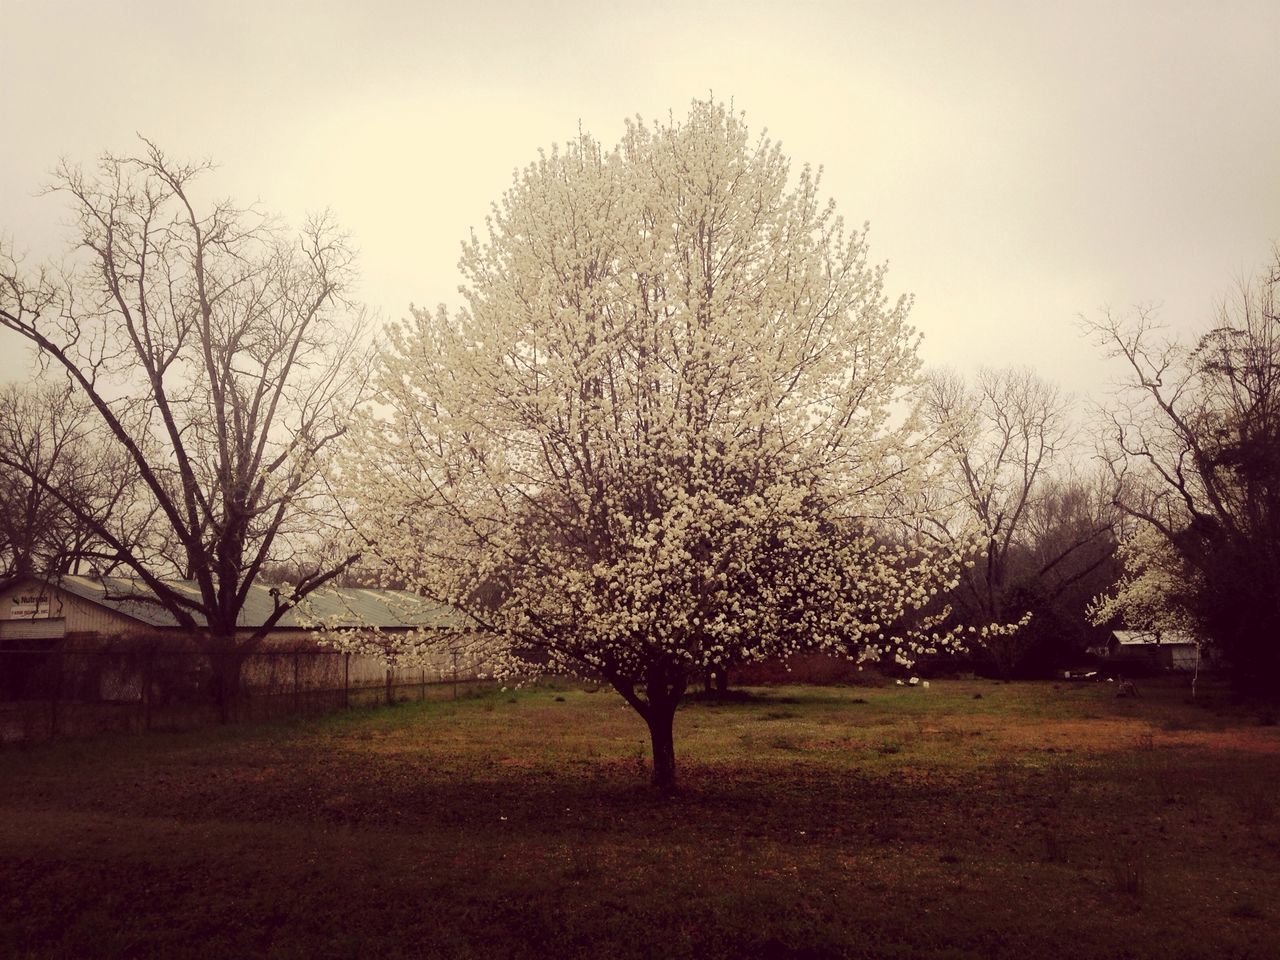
<point>28,606</point>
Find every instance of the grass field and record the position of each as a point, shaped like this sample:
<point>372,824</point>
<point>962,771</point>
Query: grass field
<point>973,819</point>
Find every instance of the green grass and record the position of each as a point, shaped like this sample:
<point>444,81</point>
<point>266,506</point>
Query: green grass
<point>1040,820</point>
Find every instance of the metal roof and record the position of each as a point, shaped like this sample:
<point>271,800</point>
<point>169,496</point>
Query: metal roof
<point>327,606</point>
<point>1167,638</point>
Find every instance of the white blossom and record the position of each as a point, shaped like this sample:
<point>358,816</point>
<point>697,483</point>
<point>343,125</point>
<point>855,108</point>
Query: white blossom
<point>657,435</point>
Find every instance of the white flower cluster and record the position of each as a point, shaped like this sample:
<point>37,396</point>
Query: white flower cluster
<point>1151,593</point>
<point>654,439</point>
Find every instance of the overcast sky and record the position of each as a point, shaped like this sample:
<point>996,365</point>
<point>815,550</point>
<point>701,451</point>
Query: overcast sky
<point>1020,164</point>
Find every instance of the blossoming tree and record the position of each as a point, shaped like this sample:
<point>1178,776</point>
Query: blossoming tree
<point>1156,590</point>
<point>657,437</point>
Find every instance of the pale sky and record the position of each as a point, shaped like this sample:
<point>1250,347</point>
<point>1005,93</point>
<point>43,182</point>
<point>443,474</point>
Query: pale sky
<point>1020,164</point>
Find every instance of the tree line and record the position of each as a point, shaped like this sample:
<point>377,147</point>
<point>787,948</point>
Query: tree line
<point>677,423</point>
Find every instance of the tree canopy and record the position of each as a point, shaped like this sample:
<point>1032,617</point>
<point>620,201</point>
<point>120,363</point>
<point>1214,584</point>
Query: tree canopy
<point>660,432</point>
<point>52,450</point>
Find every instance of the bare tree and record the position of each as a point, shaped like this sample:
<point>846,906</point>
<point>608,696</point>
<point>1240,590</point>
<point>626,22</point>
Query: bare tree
<point>1072,530</point>
<point>1000,482</point>
<point>223,356</point>
<point>50,439</point>
<point>1069,558</point>
<point>1195,447</point>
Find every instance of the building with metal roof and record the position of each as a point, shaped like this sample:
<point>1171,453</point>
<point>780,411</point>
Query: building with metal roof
<point>107,639</point>
<point>33,608</point>
<point>1154,650</point>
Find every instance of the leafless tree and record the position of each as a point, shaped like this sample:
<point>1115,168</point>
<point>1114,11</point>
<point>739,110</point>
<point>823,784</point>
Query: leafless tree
<point>223,355</point>
<point>1001,479</point>
<point>1072,529</point>
<point>50,439</point>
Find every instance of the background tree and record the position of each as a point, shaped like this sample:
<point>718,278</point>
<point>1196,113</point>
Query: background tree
<point>651,441</point>
<point>1157,590</point>
<point>1068,558</point>
<point>1194,442</point>
<point>49,440</point>
<point>1001,479</point>
<point>223,356</point>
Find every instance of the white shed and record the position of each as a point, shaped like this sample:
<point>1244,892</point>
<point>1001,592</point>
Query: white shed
<point>1162,650</point>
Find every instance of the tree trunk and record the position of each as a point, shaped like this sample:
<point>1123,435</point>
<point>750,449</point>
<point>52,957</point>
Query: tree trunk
<point>664,687</point>
<point>715,681</point>
<point>227,662</point>
<point>661,720</point>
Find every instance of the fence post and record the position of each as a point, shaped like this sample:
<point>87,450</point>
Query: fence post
<point>388,686</point>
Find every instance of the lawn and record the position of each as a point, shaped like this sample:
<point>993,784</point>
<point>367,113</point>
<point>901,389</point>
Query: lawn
<point>972,819</point>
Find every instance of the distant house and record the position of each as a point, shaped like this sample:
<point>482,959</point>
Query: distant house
<point>32,608</point>
<point>1150,650</point>
<point>100,623</point>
